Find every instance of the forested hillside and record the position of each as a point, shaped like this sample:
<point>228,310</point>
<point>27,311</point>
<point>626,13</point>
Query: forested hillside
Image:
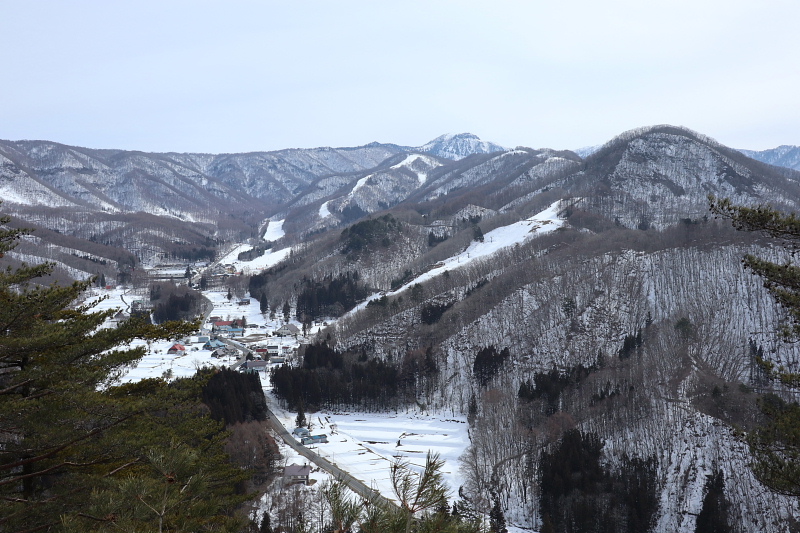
<point>590,316</point>
<point>634,324</point>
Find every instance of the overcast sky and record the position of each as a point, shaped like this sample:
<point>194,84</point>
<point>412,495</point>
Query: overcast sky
<point>234,76</point>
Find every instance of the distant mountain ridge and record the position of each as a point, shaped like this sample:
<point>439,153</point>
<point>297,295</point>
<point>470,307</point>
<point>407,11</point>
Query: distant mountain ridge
<point>783,156</point>
<point>195,200</point>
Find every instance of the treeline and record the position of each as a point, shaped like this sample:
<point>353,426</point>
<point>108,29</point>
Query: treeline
<point>548,386</point>
<point>579,493</point>
<point>194,253</point>
<point>487,364</point>
<point>330,379</point>
<point>254,252</point>
<point>431,313</point>
<point>331,297</point>
<point>237,399</point>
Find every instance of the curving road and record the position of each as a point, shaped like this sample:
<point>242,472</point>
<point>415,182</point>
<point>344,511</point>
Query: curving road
<point>356,485</point>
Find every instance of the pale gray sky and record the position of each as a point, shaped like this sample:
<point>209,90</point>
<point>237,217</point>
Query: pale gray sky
<point>236,76</point>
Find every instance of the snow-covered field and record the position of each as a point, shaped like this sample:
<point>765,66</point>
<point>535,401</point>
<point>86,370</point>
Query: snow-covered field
<point>367,444</point>
<point>274,230</point>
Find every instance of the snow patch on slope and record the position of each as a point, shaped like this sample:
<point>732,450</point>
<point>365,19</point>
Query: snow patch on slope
<point>274,230</point>
<point>411,159</point>
<point>324,212</point>
<point>493,241</point>
<point>360,183</point>
<point>270,258</point>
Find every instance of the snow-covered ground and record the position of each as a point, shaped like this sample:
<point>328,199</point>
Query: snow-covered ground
<point>495,240</point>
<point>157,362</point>
<point>367,444</point>
<point>324,212</point>
<point>363,444</point>
<point>274,230</point>
<point>409,160</point>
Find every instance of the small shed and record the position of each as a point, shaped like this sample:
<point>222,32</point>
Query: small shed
<point>254,365</point>
<point>300,432</point>
<point>296,474</point>
<point>314,439</point>
<point>120,317</point>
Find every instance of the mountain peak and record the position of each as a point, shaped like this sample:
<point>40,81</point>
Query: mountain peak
<point>457,146</point>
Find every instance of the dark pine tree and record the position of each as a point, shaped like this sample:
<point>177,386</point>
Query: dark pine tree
<point>497,520</point>
<point>301,421</point>
<point>713,517</point>
<point>266,526</point>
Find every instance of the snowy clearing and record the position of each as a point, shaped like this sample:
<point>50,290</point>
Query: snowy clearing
<point>367,444</point>
<point>409,160</point>
<point>497,239</point>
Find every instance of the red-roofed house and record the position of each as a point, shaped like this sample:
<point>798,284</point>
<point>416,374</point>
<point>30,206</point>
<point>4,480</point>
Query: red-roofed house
<point>177,349</point>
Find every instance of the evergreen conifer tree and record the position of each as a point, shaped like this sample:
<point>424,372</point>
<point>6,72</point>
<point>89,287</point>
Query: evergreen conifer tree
<point>266,526</point>
<point>497,520</point>
<point>713,517</point>
<point>301,421</point>
<point>69,437</point>
<point>776,444</point>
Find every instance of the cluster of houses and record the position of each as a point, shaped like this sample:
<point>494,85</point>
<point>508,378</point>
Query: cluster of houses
<point>230,328</point>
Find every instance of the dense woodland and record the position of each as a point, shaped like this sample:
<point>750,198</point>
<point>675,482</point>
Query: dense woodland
<point>580,494</point>
<point>174,302</point>
<point>332,380</point>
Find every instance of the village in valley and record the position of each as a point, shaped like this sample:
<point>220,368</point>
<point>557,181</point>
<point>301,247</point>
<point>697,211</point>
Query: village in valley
<point>237,334</point>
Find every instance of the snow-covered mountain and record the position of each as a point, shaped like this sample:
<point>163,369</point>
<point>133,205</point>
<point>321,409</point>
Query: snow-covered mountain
<point>463,266</point>
<point>782,156</point>
<point>458,146</point>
